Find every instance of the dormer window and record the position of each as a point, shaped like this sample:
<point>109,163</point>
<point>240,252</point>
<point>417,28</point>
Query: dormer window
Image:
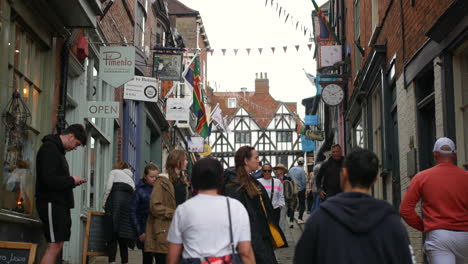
<point>232,102</point>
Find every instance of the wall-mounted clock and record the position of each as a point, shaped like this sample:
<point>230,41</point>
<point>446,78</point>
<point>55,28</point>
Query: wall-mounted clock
<point>333,94</point>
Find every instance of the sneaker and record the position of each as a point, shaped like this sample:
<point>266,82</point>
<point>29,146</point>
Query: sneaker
<point>291,226</point>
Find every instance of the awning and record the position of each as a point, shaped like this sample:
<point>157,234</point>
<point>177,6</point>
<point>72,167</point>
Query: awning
<point>75,13</point>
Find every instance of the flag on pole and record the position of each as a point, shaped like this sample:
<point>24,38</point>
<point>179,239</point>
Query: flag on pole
<point>313,80</point>
<point>217,116</point>
<point>192,79</point>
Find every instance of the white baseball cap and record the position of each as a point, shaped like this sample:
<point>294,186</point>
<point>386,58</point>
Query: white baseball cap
<point>444,145</point>
<point>301,159</point>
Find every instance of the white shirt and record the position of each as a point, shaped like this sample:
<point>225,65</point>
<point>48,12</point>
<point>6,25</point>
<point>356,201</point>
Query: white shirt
<point>125,176</point>
<point>201,224</point>
<point>278,195</point>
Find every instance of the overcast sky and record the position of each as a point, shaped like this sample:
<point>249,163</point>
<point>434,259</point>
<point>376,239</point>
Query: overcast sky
<point>241,24</point>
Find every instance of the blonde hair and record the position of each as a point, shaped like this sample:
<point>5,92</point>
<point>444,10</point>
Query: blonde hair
<point>174,161</point>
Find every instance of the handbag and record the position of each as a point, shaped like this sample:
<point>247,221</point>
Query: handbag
<point>276,238</point>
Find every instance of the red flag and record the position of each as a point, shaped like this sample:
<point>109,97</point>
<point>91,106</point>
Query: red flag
<point>260,50</point>
<point>297,47</point>
<point>211,51</point>
<point>224,51</point>
<point>273,50</point>
<point>235,51</point>
<point>248,51</point>
<point>285,48</point>
<point>310,46</point>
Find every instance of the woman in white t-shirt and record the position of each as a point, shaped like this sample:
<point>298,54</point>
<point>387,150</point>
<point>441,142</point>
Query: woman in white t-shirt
<point>200,230</point>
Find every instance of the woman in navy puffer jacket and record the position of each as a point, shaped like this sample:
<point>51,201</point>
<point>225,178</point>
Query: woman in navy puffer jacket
<point>140,207</point>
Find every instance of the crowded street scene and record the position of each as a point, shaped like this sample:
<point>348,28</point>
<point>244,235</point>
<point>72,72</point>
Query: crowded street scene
<point>234,132</point>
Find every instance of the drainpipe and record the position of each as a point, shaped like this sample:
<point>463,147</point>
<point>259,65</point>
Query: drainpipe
<point>64,58</point>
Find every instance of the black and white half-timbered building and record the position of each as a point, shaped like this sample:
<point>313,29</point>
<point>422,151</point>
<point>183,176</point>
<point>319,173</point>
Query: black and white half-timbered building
<point>258,120</point>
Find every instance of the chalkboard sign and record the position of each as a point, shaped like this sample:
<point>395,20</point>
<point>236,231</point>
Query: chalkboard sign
<point>96,236</point>
<point>17,252</point>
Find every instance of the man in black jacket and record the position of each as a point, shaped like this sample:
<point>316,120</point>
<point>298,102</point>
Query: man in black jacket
<point>328,177</point>
<point>353,227</point>
<point>54,187</point>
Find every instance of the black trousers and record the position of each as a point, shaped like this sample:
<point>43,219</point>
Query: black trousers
<point>148,257</point>
<point>277,215</point>
<point>160,258</point>
<point>301,196</point>
<point>112,250</point>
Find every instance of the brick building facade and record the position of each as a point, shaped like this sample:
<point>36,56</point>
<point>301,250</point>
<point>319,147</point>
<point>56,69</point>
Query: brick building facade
<point>407,61</point>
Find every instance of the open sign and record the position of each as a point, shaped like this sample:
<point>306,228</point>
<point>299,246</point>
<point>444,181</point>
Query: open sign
<point>98,109</point>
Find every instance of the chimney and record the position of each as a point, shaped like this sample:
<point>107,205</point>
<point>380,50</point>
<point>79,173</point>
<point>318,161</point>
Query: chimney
<point>262,85</point>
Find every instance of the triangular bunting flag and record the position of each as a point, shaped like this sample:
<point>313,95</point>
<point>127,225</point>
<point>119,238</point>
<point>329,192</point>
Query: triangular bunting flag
<point>248,51</point>
<point>266,2</point>
<point>286,20</point>
<point>211,51</point>
<point>280,11</point>
<point>285,48</point>
<point>271,2</point>
<point>260,50</point>
<point>305,31</point>
<point>224,51</point>
<point>273,50</point>
<point>310,46</point>
<point>297,47</point>
<point>235,51</point>
<point>297,24</point>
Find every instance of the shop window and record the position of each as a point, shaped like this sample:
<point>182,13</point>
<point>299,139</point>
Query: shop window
<point>17,180</point>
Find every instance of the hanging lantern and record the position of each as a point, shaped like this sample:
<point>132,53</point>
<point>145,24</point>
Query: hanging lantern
<point>16,116</point>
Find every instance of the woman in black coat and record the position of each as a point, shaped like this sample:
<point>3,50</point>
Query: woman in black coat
<point>117,197</point>
<point>140,207</point>
<point>250,192</point>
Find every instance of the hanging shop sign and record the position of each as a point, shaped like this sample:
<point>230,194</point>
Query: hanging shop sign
<point>100,109</point>
<point>314,135</point>
<point>195,144</point>
<point>117,65</point>
<point>142,89</point>
<point>178,109</point>
<point>167,66</point>
<point>330,55</point>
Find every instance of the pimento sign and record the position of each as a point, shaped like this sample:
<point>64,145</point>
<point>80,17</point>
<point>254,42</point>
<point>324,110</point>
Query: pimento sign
<point>117,65</point>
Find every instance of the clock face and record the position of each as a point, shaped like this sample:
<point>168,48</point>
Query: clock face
<point>332,94</point>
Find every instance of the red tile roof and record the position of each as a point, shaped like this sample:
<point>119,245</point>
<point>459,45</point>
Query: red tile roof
<point>260,105</point>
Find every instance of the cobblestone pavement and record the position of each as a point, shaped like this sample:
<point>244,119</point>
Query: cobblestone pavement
<point>284,255</point>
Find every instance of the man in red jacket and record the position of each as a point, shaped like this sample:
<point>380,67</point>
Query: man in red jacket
<point>443,191</point>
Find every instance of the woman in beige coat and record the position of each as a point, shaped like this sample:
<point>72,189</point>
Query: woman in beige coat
<point>162,208</point>
<point>169,190</point>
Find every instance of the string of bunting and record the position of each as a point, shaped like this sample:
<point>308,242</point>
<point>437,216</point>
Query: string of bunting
<point>282,12</point>
<point>248,51</point>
